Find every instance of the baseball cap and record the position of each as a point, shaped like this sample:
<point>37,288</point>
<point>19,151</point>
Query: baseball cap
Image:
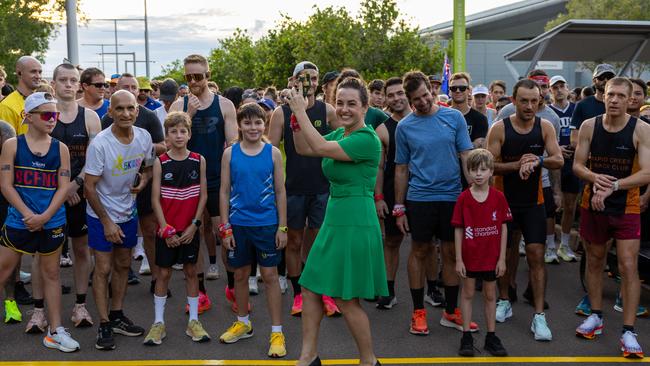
<point>304,65</point>
<point>557,78</point>
<point>434,78</point>
<point>603,69</point>
<point>144,83</point>
<point>168,90</point>
<point>480,89</point>
<point>183,86</point>
<point>37,99</point>
<point>266,103</point>
<point>115,78</point>
<point>330,76</point>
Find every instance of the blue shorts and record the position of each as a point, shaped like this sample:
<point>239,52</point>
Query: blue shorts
<point>97,240</point>
<point>254,240</point>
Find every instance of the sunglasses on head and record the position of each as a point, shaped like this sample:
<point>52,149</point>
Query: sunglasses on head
<point>46,116</point>
<point>99,85</point>
<point>195,77</point>
<point>460,88</point>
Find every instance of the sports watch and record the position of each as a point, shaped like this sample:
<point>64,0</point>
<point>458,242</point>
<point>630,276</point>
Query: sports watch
<point>196,222</point>
<point>283,229</point>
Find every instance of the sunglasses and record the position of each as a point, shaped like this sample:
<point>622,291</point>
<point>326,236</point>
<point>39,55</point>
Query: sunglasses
<point>605,76</point>
<point>47,116</point>
<point>99,85</point>
<point>460,88</point>
<point>195,77</point>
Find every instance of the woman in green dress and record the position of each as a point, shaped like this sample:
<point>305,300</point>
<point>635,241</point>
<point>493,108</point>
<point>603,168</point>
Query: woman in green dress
<point>346,261</point>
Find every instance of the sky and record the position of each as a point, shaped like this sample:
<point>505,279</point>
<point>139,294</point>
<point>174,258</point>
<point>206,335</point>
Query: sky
<point>176,31</point>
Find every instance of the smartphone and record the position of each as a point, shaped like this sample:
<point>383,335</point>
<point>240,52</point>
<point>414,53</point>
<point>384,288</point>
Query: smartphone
<point>305,80</point>
<point>136,180</point>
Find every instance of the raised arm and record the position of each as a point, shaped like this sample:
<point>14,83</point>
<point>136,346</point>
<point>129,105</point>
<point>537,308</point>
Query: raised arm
<point>554,160</point>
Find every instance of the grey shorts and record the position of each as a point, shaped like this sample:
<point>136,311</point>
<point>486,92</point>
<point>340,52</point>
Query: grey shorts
<point>306,209</point>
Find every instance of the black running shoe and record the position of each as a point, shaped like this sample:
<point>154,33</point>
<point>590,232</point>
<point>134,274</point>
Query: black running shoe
<point>494,347</point>
<point>512,294</point>
<point>125,326</point>
<point>105,340</point>
<point>434,297</point>
<point>466,345</point>
<point>386,302</point>
<point>133,279</point>
<point>528,295</point>
<point>21,295</point>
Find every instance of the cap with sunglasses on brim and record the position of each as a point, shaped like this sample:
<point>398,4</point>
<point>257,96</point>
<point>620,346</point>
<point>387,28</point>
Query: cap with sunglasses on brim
<point>480,89</point>
<point>168,90</point>
<point>266,103</point>
<point>330,76</point>
<point>556,79</point>
<point>302,66</point>
<point>144,83</point>
<point>37,99</point>
<point>183,86</point>
<point>435,79</point>
<point>249,93</point>
<point>604,69</point>
<point>115,78</point>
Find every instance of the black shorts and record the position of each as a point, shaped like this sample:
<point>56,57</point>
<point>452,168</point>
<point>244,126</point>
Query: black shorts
<point>4,209</point>
<point>531,221</point>
<point>184,253</point>
<point>213,202</point>
<point>570,183</point>
<point>45,242</point>
<point>549,202</point>
<point>430,219</point>
<point>76,219</point>
<point>143,201</point>
<point>482,275</point>
<point>306,209</point>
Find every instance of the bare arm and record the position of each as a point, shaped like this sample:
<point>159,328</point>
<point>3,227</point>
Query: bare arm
<point>203,195</point>
<point>495,138</point>
<point>90,192</point>
<point>230,119</point>
<point>642,176</point>
<point>401,182</point>
<point>463,160</point>
<point>7,178</point>
<point>276,127</point>
<point>224,191</point>
<point>177,106</point>
<point>554,160</point>
<point>280,198</point>
<point>62,186</point>
<point>458,243</point>
<point>155,195</point>
<point>332,119</point>
<point>582,152</point>
<point>382,133</point>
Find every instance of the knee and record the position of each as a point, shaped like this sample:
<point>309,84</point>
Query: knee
<point>50,273</point>
<point>628,267</point>
<point>164,274</point>
<point>241,274</point>
<point>468,292</point>
<point>269,275</point>
<point>188,269</point>
<point>420,251</point>
<point>102,269</point>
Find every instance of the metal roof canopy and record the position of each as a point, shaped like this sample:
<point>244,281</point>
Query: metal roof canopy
<point>586,40</point>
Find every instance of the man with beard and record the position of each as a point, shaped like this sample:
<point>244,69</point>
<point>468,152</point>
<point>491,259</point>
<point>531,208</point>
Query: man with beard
<point>146,99</point>
<point>477,124</point>
<point>94,86</point>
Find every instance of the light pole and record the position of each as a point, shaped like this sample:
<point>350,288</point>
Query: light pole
<point>102,46</point>
<point>71,31</point>
<point>146,39</point>
<point>116,53</point>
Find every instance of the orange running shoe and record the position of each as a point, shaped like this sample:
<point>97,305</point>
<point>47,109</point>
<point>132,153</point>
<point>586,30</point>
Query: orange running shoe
<point>330,306</point>
<point>296,308</point>
<point>419,323</point>
<point>455,320</point>
<point>230,297</point>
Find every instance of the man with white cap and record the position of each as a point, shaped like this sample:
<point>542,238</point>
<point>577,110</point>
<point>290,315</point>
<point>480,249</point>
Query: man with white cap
<point>34,176</point>
<point>480,94</point>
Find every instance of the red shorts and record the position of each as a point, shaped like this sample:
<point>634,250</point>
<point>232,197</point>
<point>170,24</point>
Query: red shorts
<point>598,228</point>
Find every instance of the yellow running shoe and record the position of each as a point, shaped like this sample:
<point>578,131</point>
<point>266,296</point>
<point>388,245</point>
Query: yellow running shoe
<point>156,335</point>
<point>12,313</point>
<point>278,348</point>
<point>196,332</point>
<point>238,330</point>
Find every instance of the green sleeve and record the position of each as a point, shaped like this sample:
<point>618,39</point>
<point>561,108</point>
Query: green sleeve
<point>334,135</point>
<point>361,145</point>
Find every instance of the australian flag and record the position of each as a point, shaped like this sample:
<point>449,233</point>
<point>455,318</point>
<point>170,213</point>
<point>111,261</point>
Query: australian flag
<point>446,72</point>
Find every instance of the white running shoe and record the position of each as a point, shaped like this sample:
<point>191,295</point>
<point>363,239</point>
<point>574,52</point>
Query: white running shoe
<point>177,266</point>
<point>253,289</point>
<point>540,329</point>
<point>213,272</point>
<point>62,341</point>
<point>144,267</point>
<point>65,260</point>
<point>630,346</point>
<point>567,255</point>
<point>138,251</point>
<point>590,327</point>
<point>283,283</point>
<point>522,248</point>
<point>551,257</point>
<point>25,277</point>
<point>504,310</point>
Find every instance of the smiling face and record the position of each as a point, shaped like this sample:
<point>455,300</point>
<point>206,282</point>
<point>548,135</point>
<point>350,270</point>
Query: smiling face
<point>396,98</point>
<point>349,108</point>
<point>421,99</point>
<point>252,128</point>
<point>123,108</point>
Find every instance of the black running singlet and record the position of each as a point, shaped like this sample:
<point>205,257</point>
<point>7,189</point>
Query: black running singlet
<point>389,165</point>
<point>614,153</point>
<point>518,192</point>
<point>75,136</point>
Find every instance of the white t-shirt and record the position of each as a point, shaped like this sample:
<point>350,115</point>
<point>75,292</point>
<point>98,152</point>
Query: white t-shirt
<point>117,164</point>
<point>161,113</point>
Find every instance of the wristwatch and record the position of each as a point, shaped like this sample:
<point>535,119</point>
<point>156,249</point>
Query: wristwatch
<point>283,229</point>
<point>79,181</point>
<point>196,222</point>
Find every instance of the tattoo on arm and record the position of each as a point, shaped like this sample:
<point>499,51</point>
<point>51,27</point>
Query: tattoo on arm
<point>64,173</point>
<point>5,167</point>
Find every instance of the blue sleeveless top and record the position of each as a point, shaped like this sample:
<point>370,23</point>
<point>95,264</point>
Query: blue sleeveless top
<point>252,188</point>
<point>36,181</point>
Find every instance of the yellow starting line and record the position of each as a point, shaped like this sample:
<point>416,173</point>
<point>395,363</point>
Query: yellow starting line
<point>384,361</point>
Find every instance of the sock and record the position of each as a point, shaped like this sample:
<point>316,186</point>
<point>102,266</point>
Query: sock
<point>244,319</point>
<point>628,327</point>
<point>231,279</point>
<point>597,312</point>
<point>296,286</point>
<point>213,259</point>
<point>417,295</point>
<point>201,277</point>
<point>451,297</point>
<point>276,329</point>
<point>140,241</point>
<point>490,334</point>
<point>115,314</point>
<point>550,241</point>
<point>430,285</point>
<point>391,288</point>
<point>39,303</point>
<point>194,307</point>
<point>159,307</point>
<point>81,298</point>
<point>564,239</point>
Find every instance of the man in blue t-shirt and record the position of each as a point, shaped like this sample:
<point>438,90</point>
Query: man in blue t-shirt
<point>591,106</point>
<point>428,142</point>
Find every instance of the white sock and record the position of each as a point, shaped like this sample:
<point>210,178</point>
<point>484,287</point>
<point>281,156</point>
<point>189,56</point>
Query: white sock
<point>194,307</point>
<point>276,329</point>
<point>550,241</point>
<point>61,330</point>
<point>244,319</point>
<point>140,241</point>
<point>159,306</point>
<point>564,239</point>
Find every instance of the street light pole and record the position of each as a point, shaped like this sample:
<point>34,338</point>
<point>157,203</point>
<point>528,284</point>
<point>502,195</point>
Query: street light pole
<point>71,31</point>
<point>146,39</point>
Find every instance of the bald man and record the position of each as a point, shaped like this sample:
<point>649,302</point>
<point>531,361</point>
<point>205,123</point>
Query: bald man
<point>113,162</point>
<point>29,71</point>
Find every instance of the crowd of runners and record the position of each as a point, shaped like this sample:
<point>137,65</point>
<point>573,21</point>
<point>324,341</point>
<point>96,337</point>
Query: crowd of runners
<point>313,188</point>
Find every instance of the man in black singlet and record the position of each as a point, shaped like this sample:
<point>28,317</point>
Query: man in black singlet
<point>477,123</point>
<point>518,143</point>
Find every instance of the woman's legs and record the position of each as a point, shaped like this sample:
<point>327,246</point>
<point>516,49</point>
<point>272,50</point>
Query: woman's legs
<point>359,326</point>
<point>312,313</point>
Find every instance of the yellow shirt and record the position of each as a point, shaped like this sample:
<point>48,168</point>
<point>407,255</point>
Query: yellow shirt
<point>11,111</point>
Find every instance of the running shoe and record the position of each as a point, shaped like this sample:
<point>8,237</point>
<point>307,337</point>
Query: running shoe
<point>277,348</point>
<point>37,323</point>
<point>641,311</point>
<point>283,284</point>
<point>145,269</point>
<point>25,277</point>
<point>156,335</point>
<point>540,329</point>
<point>590,327</point>
<point>504,310</point>
<point>12,313</point>
<point>61,340</point>
<point>81,317</point>
<point>177,266</point>
<point>386,302</point>
<point>419,323</point>
<point>238,330</point>
<point>21,295</point>
<point>494,346</point>
<point>138,251</point>
<point>213,272</point>
<point>65,261</point>
<point>522,248</point>
<point>434,297</point>
<point>455,321</point>
<point>230,297</point>
<point>584,306</point>
<point>196,332</point>
<point>466,345</point>
<point>565,252</point>
<point>133,279</point>
<point>125,326</point>
<point>330,307</point>
<point>105,340</point>
<point>296,308</point>
<point>629,345</point>
<point>204,303</point>
<point>253,289</point>
<point>550,257</point>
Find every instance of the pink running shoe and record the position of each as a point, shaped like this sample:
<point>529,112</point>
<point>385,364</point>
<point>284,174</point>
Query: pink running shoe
<point>330,306</point>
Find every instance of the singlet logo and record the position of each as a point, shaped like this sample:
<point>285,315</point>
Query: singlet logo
<point>318,123</point>
<point>169,176</point>
<point>57,233</point>
<point>38,164</point>
<point>123,165</point>
<point>194,174</point>
<point>622,147</point>
<point>535,146</point>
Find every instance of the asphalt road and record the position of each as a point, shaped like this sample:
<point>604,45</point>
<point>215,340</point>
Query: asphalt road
<point>390,328</point>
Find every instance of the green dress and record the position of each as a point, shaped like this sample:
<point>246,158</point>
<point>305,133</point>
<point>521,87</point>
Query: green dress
<point>347,258</point>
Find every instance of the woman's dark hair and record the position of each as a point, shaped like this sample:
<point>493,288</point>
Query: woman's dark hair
<point>358,85</point>
<point>347,73</point>
<point>234,94</point>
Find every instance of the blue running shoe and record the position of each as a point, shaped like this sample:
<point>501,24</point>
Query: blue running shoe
<point>641,311</point>
<point>584,307</point>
